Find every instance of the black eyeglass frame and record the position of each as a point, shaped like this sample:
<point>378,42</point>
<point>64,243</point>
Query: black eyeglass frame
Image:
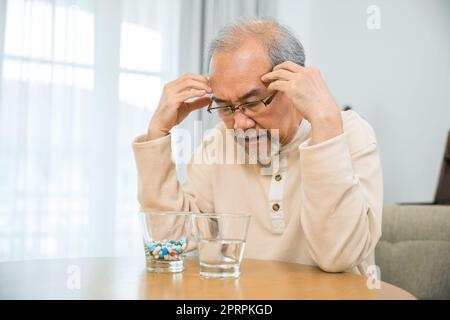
<point>265,101</point>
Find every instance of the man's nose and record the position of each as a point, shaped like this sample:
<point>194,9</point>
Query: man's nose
<point>241,121</point>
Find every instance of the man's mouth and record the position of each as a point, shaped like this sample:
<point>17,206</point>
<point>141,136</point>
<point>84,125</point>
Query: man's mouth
<point>255,138</point>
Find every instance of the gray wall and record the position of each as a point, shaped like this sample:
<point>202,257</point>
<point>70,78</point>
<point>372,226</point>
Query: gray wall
<point>398,78</point>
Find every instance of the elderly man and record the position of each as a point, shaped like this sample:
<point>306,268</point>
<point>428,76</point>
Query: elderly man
<point>322,205</point>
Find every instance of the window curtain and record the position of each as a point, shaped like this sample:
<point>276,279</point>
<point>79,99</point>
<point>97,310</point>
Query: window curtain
<point>79,80</point>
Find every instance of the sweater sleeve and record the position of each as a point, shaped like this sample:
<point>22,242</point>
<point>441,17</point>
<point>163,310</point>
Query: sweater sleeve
<point>342,195</point>
<point>158,186</point>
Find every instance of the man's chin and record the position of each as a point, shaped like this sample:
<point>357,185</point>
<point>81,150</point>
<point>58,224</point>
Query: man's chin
<point>257,147</point>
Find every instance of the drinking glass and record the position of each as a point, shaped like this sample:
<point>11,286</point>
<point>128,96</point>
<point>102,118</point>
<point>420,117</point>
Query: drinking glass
<point>165,237</point>
<point>221,242</point>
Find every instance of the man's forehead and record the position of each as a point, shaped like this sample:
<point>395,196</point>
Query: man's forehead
<point>237,74</point>
<point>239,88</point>
<point>241,95</point>
<point>249,58</point>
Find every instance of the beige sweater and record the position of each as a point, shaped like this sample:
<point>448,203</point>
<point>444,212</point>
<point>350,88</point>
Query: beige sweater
<point>329,196</point>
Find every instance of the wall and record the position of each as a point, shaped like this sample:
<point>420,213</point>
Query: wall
<point>397,77</point>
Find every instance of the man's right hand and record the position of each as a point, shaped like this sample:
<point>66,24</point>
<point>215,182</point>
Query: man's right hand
<point>172,108</point>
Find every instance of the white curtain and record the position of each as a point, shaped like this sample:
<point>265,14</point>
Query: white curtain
<point>79,80</point>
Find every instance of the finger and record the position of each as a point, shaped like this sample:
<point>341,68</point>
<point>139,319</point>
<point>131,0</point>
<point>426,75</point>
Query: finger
<point>199,103</point>
<point>189,94</point>
<point>289,65</point>
<point>192,76</point>
<point>196,77</point>
<point>187,107</point>
<point>280,74</point>
<point>192,84</point>
<point>278,85</point>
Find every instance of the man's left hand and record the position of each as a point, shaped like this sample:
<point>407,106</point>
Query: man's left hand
<point>310,95</point>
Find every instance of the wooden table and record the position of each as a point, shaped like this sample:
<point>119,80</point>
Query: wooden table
<point>126,278</point>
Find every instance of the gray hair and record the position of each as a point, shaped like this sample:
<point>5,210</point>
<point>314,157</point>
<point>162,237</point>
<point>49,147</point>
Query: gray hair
<point>279,41</point>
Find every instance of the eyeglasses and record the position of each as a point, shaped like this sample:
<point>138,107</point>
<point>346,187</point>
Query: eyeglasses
<point>249,108</point>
